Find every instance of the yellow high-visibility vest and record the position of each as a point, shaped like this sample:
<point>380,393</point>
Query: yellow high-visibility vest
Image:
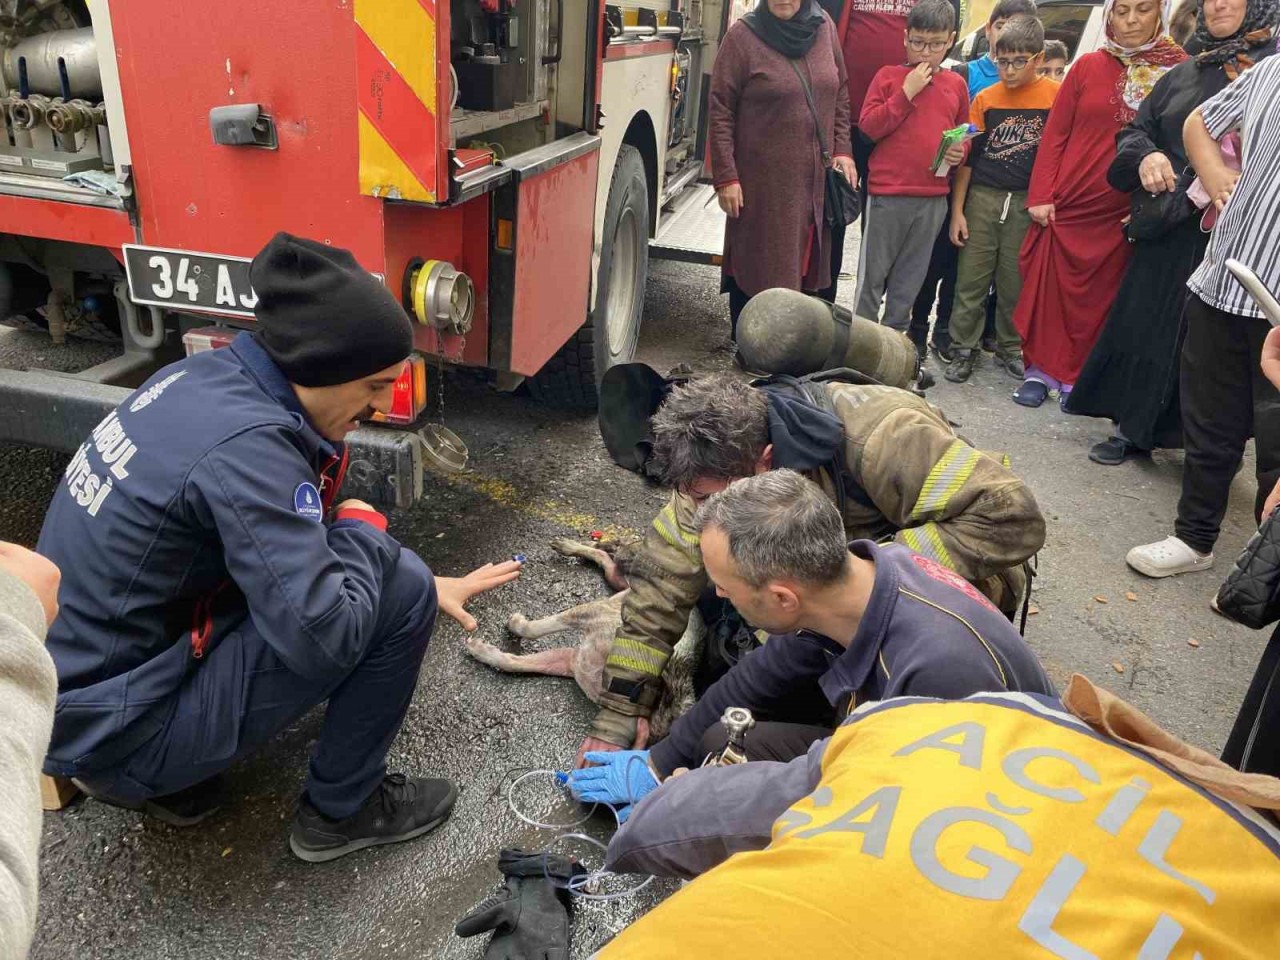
<point>988,828</point>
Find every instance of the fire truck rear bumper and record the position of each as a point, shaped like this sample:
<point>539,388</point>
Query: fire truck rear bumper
<point>57,411</point>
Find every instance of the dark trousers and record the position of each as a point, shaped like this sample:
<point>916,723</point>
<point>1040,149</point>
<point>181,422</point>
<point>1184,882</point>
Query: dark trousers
<point>862,147</point>
<point>782,742</point>
<point>1254,744</point>
<point>939,287</point>
<point>241,694</point>
<point>1225,400</point>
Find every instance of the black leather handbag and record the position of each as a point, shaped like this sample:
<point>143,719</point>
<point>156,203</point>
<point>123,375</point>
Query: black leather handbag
<point>841,202</point>
<point>1251,594</point>
<point>1152,215</point>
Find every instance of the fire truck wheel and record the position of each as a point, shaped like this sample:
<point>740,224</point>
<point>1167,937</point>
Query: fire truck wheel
<point>612,330</point>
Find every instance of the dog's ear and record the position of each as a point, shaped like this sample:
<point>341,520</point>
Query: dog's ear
<point>630,393</point>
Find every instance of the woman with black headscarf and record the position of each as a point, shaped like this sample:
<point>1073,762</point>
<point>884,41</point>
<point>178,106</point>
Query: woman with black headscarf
<point>1131,375</point>
<point>766,153</point>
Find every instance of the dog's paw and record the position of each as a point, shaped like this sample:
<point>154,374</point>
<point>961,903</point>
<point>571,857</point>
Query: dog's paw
<point>566,547</point>
<point>516,623</point>
<point>484,652</point>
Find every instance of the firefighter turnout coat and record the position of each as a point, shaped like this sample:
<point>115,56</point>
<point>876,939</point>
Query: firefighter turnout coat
<point>897,470</point>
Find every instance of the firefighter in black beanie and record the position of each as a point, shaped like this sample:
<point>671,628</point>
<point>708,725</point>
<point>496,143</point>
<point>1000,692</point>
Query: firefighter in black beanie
<point>214,592</point>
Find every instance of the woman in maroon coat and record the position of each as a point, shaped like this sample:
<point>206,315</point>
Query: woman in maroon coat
<point>765,158</point>
<point>1075,253</point>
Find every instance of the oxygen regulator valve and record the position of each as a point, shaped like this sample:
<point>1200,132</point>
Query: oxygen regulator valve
<point>737,721</point>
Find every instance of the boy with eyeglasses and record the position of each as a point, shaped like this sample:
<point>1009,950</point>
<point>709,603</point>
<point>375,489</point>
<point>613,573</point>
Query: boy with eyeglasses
<point>906,111</point>
<point>988,206</point>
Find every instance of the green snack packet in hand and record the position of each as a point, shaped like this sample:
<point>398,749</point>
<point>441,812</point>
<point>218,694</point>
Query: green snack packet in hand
<point>966,131</point>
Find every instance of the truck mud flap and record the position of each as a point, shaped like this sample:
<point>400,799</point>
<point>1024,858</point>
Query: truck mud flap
<point>540,269</point>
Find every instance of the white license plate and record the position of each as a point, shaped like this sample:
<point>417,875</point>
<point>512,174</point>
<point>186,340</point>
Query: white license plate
<point>185,279</point>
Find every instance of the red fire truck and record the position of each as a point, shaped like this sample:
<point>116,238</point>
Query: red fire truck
<point>506,166</point>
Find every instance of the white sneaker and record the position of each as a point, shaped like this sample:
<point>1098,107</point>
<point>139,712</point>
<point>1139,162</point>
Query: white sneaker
<point>1167,558</point>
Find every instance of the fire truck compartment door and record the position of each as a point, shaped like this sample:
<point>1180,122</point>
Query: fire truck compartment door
<point>547,272</point>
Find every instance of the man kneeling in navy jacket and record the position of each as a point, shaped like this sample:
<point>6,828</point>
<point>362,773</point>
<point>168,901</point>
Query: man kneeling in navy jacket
<point>849,623</point>
<point>211,594</point>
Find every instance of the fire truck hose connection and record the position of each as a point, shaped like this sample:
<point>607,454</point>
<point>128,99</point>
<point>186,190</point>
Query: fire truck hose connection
<point>27,114</point>
<point>73,115</point>
<point>439,296</point>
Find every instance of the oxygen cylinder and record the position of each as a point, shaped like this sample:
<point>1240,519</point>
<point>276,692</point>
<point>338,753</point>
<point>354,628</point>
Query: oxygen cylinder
<point>784,331</point>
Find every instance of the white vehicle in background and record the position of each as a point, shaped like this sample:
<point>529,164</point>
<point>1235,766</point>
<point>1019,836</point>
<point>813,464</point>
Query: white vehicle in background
<point>1077,24</point>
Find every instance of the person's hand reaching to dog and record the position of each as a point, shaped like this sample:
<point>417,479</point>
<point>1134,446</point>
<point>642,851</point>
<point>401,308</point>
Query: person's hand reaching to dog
<point>455,592</point>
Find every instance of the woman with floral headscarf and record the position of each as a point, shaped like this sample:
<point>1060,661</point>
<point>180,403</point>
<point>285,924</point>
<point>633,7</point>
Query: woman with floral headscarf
<point>1075,253</point>
<point>1132,374</point>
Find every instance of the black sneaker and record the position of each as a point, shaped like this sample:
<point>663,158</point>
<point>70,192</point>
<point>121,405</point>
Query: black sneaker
<point>400,809</point>
<point>943,351</point>
<point>961,368</point>
<point>1114,450</point>
<point>186,808</point>
<point>990,345</point>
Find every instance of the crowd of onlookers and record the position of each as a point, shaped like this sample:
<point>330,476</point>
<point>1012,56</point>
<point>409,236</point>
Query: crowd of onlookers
<point>1056,218</point>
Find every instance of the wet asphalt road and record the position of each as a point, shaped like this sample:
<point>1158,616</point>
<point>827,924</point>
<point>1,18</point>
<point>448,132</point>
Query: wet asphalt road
<point>116,886</point>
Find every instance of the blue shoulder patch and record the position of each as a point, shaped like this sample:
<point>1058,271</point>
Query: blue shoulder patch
<point>306,500</point>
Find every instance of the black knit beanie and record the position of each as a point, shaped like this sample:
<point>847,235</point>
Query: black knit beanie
<point>322,317</point>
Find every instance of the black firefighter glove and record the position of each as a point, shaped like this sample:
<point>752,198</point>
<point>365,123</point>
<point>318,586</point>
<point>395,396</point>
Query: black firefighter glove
<point>529,916</point>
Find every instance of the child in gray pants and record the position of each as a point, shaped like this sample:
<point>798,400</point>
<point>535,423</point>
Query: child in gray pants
<point>906,111</point>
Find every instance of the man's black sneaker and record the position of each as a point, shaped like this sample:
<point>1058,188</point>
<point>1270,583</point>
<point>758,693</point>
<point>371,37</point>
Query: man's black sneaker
<point>400,809</point>
<point>1115,450</point>
<point>185,808</point>
<point>960,369</point>
<point>990,345</point>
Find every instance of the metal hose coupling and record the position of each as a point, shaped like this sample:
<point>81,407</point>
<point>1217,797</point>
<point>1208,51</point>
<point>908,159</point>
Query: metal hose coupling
<point>736,721</point>
<point>72,116</point>
<point>439,296</point>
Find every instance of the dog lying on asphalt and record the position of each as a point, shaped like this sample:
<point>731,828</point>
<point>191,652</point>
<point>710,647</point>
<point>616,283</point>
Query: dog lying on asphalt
<point>598,621</point>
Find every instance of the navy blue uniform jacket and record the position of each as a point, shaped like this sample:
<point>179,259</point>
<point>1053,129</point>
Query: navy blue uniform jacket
<point>199,507</point>
<point>926,632</point>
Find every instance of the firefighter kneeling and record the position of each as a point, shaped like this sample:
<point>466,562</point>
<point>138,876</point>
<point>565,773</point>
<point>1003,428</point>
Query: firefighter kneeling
<point>995,826</point>
<point>849,623</point>
<point>886,458</point>
<point>211,595</point>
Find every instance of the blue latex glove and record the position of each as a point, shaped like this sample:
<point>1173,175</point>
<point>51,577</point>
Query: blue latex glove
<point>622,778</point>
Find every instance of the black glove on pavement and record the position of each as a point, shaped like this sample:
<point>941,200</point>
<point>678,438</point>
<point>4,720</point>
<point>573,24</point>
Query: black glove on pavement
<point>530,914</point>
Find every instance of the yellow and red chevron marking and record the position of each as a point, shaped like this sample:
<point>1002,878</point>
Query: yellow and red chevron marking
<point>396,76</point>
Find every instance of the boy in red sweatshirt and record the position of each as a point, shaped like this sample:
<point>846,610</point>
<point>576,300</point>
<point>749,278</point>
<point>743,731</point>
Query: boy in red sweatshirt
<point>906,111</point>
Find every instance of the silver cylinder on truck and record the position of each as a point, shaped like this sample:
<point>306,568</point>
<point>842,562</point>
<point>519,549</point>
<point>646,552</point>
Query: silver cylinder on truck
<point>784,331</point>
<point>78,53</point>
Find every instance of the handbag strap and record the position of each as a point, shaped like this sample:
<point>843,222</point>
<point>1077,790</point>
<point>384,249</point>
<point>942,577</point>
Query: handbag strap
<point>817,126</point>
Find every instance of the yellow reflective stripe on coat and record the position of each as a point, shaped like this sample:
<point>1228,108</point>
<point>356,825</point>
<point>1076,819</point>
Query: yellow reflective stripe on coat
<point>669,529</point>
<point>948,475</point>
<point>925,539</point>
<point>637,657</point>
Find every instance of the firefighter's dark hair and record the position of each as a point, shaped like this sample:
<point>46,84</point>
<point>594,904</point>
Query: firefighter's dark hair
<point>712,427</point>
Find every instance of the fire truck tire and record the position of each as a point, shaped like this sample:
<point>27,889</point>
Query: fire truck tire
<point>612,330</point>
